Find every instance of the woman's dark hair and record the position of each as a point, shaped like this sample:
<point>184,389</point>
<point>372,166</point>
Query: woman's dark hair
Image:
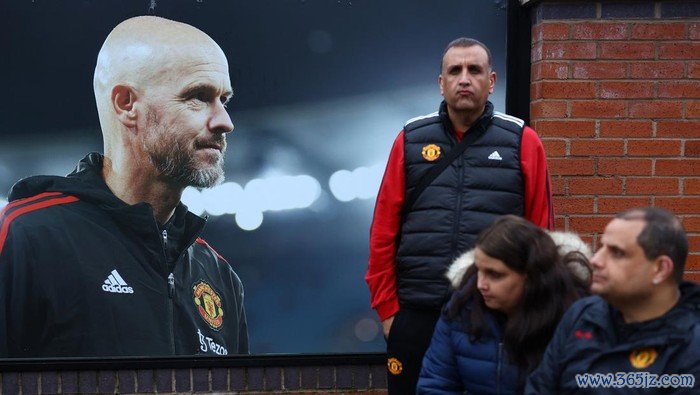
<point>550,288</point>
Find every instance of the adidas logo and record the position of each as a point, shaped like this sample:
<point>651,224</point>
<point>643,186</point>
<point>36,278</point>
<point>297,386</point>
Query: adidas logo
<point>116,284</point>
<point>495,156</point>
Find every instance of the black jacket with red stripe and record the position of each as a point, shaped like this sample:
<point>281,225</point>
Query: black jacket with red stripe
<point>84,274</point>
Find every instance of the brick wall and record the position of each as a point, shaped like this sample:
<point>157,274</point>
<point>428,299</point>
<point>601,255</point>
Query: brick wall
<point>615,96</point>
<point>347,379</point>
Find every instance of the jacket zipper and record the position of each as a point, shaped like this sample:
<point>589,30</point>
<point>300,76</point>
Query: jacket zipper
<point>458,210</point>
<point>171,284</point>
<point>171,294</point>
<point>498,368</point>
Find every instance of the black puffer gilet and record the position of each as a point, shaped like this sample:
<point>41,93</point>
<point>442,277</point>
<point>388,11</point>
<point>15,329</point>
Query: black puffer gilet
<point>482,184</point>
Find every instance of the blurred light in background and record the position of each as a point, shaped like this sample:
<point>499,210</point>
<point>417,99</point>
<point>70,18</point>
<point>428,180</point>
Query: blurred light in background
<point>249,220</point>
<point>366,329</point>
<point>361,183</point>
<point>3,203</point>
<point>222,199</point>
<point>259,195</point>
<point>278,193</point>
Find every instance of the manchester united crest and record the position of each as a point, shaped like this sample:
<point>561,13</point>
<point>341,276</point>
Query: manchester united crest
<point>208,304</point>
<point>394,365</point>
<point>431,152</point>
<point>641,359</point>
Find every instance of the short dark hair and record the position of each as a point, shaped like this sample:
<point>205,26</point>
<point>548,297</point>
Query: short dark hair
<point>465,42</point>
<point>663,234</point>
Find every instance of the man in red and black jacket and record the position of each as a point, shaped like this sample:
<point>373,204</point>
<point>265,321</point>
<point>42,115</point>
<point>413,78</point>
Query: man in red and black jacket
<point>500,169</point>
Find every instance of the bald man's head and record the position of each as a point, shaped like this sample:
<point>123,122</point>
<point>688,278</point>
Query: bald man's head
<point>160,88</point>
<point>139,51</point>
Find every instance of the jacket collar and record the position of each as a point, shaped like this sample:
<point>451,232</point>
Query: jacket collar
<point>86,183</point>
<point>183,223</point>
<point>447,123</point>
<point>676,323</point>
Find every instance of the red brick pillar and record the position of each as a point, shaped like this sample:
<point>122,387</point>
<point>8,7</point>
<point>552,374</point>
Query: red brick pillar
<point>615,96</point>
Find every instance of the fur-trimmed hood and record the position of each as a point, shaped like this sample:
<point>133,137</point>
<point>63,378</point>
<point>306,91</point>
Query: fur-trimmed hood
<point>565,241</point>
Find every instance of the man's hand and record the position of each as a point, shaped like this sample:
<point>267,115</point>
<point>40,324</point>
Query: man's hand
<point>386,326</point>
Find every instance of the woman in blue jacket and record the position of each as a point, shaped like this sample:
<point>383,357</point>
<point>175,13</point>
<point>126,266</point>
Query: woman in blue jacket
<point>511,291</point>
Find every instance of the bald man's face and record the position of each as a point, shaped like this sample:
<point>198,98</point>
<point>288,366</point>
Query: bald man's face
<point>186,119</point>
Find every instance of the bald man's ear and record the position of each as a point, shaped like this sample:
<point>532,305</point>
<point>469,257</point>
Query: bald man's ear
<point>123,99</point>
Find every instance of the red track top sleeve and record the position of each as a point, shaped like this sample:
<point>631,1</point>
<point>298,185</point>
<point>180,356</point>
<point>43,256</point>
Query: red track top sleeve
<point>538,191</point>
<point>381,271</point>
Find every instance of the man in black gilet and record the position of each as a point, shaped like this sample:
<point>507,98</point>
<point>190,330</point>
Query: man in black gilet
<point>449,175</point>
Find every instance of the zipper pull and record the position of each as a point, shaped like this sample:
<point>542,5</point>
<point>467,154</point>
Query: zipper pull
<point>171,284</point>
<point>165,238</point>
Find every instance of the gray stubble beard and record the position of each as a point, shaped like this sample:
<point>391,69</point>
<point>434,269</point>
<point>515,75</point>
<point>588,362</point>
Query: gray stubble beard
<point>177,165</point>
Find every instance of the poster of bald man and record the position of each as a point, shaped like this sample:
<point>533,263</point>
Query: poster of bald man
<point>198,178</point>
<point>107,261</point>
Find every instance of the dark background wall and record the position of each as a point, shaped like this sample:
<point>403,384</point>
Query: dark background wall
<point>320,86</point>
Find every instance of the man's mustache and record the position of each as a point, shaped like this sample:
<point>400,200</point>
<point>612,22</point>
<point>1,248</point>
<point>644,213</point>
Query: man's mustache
<point>218,143</point>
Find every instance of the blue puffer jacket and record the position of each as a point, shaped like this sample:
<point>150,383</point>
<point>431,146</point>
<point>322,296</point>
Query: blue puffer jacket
<point>454,364</point>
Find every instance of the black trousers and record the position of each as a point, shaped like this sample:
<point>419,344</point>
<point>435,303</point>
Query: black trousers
<point>408,341</point>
